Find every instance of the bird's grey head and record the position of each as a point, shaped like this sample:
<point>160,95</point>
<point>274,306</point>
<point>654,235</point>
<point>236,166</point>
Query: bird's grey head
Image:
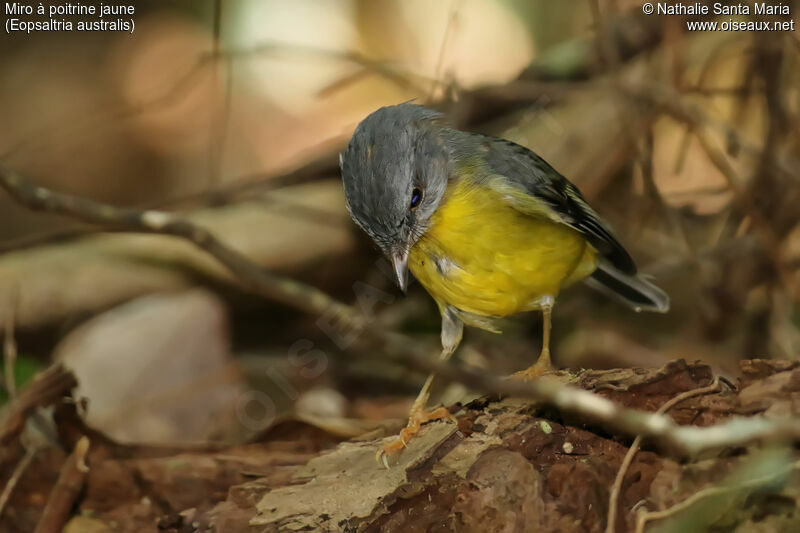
<point>395,172</point>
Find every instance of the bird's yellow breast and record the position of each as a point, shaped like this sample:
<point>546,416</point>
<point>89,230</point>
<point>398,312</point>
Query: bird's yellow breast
<point>482,256</point>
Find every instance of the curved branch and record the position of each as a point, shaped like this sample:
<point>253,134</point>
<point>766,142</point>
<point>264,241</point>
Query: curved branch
<point>280,289</point>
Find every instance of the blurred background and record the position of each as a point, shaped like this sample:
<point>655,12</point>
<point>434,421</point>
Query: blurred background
<point>234,112</point>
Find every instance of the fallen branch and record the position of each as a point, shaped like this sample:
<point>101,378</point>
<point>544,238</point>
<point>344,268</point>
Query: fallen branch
<point>680,441</point>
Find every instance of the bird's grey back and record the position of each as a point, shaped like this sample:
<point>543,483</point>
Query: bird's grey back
<point>525,170</point>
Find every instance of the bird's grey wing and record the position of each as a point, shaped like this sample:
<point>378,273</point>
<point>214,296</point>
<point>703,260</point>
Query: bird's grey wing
<point>532,186</point>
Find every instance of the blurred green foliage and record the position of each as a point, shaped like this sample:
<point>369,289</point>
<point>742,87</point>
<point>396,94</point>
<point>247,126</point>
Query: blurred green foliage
<point>24,369</point>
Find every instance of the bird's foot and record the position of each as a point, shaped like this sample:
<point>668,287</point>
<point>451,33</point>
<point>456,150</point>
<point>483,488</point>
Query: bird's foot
<point>541,367</point>
<point>415,421</point>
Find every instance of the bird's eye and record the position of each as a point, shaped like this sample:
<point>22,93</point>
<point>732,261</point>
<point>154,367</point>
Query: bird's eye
<point>416,198</point>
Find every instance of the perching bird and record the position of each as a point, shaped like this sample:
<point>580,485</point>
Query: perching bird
<point>488,227</point>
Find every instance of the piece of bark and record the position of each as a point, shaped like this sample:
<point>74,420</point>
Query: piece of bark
<point>349,481</point>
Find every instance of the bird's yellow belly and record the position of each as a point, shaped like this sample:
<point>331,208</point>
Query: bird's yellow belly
<point>482,256</point>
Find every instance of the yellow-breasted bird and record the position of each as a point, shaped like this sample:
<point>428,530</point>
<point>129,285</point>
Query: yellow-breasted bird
<point>488,227</point>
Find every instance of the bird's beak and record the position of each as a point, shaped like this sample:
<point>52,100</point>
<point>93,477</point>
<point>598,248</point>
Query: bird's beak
<point>400,264</point>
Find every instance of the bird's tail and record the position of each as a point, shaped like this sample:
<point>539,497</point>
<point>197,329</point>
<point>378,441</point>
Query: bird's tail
<point>633,290</point>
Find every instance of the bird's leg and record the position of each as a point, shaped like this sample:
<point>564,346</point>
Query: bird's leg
<point>452,329</point>
<point>543,364</point>
<point>544,357</point>
<point>416,417</point>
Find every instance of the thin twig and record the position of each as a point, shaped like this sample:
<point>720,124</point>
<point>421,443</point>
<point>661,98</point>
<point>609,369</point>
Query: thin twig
<point>170,94</point>
<point>394,73</point>
<point>22,465</point>
<point>685,110</point>
<point>645,516</point>
<point>455,6</point>
<point>707,67</point>
<point>283,290</point>
<point>242,187</point>
<point>10,347</point>
<point>639,134</point>
<point>71,122</point>
<point>609,54</point>
<point>772,244</point>
<point>613,502</point>
<point>678,107</point>
<point>220,118</point>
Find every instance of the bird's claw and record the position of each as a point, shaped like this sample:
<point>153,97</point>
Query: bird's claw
<point>415,421</point>
<point>537,370</point>
<point>381,457</point>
